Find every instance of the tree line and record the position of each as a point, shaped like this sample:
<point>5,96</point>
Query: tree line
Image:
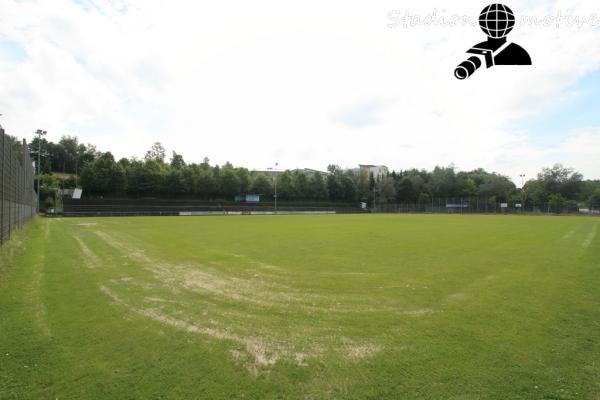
<point>70,163</point>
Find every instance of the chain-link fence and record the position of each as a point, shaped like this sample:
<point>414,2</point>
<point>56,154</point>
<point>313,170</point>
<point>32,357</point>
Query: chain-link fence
<point>17,195</point>
<point>490,206</point>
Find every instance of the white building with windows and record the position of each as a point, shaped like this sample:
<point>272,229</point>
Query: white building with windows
<point>378,171</point>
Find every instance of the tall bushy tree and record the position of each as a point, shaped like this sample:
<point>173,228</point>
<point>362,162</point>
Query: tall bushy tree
<point>558,179</point>
<point>318,189</point>
<point>104,176</point>
<point>156,153</point>
<point>334,187</point>
<point>557,203</point>
<point>497,186</point>
<point>285,186</point>
<point>300,182</point>
<point>349,191</point>
<point>230,183</point>
<point>442,182</point>
<point>175,183</point>
<point>205,184</point>
<point>244,176</point>
<point>386,192</point>
<point>594,199</point>
<point>262,184</point>
<point>177,161</point>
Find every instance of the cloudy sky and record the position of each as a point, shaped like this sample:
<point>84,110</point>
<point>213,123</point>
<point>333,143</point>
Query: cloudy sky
<point>304,83</point>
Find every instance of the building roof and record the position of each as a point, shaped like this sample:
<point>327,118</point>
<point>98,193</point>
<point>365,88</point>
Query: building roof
<point>371,166</point>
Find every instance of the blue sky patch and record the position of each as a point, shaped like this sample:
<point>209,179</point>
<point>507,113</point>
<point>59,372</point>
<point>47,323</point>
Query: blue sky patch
<point>579,110</point>
<point>12,51</point>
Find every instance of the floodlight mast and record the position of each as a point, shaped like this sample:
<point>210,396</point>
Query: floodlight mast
<point>274,178</point>
<point>276,165</point>
<point>40,133</point>
<point>522,176</point>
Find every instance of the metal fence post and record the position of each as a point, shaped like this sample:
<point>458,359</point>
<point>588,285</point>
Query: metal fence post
<point>2,186</point>
<point>10,172</point>
<point>16,186</point>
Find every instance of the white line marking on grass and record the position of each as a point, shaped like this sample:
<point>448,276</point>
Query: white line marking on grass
<point>262,352</point>
<point>91,259</point>
<point>590,237</point>
<point>37,298</point>
<point>569,235</point>
<point>263,349</point>
<point>131,252</point>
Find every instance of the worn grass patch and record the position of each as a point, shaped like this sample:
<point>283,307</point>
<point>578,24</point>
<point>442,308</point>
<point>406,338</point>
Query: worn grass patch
<point>382,306</point>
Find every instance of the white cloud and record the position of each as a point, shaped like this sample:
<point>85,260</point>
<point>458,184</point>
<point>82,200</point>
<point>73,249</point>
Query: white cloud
<point>262,81</point>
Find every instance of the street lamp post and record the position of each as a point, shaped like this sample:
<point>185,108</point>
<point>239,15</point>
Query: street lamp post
<point>274,177</point>
<point>76,167</point>
<point>522,176</point>
<point>40,133</point>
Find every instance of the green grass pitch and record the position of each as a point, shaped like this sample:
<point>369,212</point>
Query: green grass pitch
<point>302,307</point>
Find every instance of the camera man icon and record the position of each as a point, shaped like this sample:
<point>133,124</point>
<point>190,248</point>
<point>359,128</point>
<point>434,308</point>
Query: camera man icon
<point>496,21</point>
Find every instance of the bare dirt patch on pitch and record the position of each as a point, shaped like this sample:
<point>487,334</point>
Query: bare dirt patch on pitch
<point>217,312</point>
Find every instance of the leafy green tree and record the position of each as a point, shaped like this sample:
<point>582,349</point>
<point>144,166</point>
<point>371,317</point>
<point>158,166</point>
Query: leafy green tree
<point>349,191</point>
<point>205,184</point>
<point>363,186</point>
<point>424,198</point>
<point>190,177</point>
<point>103,176</point>
<point>49,186</point>
<point>175,182</point>
<point>409,187</point>
<point>386,192</point>
<point>244,177</point>
<point>497,186</point>
<point>216,172</point>
<point>300,182</point>
<point>85,154</point>
<point>334,187</point>
<point>334,169</point>
<point>466,186</point>
<point>261,184</point>
<point>36,144</point>
<point>594,199</point>
<point>156,153</point>
<point>69,152</point>
<point>134,174</point>
<point>285,186</point>
<point>318,189</point>
<point>557,203</point>
<point>587,189</point>
<point>230,183</point>
<point>124,162</point>
<point>177,161</point>
<point>560,180</point>
<point>442,182</point>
